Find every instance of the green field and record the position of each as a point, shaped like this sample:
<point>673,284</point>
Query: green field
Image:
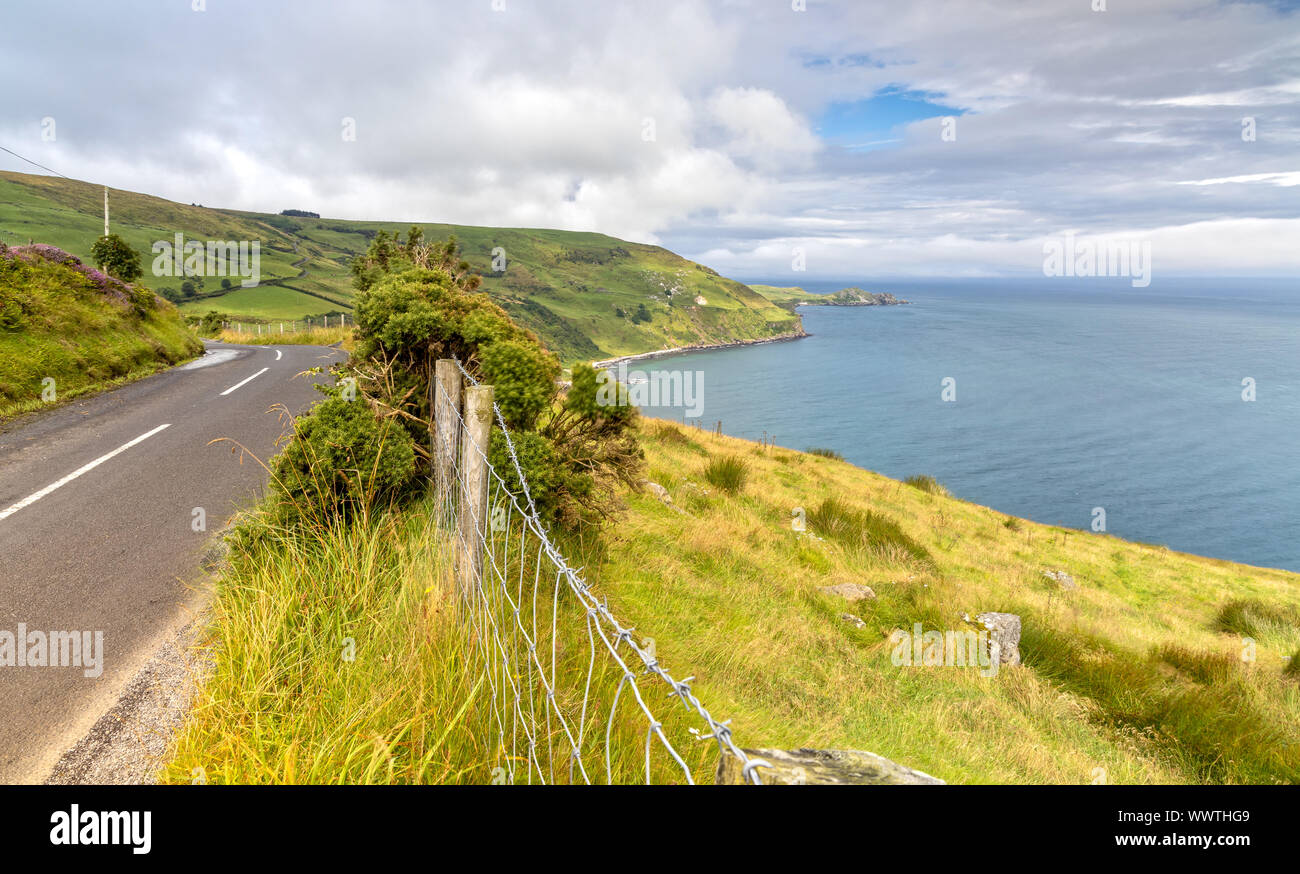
<point>581,292</point>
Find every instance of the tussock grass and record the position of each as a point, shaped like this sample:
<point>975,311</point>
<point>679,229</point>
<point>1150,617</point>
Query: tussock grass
<point>1204,666</point>
<point>285,705</point>
<point>824,453</point>
<point>869,531</point>
<point>1252,617</point>
<point>927,484</point>
<point>727,473</point>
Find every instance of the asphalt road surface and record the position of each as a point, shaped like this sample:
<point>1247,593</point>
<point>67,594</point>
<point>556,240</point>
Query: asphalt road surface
<point>98,506</point>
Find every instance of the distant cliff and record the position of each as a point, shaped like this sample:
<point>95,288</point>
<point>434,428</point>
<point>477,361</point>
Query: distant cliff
<point>855,297</point>
<point>792,297</point>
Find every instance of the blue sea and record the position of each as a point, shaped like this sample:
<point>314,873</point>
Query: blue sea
<point>1069,395</point>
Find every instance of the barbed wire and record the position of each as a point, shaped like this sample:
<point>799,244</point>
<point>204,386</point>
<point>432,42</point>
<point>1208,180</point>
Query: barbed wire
<point>509,647</point>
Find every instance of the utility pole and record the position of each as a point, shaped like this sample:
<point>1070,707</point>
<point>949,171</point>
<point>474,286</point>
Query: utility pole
<point>106,210</point>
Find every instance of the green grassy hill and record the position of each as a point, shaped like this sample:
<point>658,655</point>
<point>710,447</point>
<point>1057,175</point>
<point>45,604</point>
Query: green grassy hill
<point>581,292</point>
<point>1150,666</point>
<point>66,329</point>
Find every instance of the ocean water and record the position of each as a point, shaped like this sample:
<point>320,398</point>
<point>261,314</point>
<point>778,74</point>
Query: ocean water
<point>1069,395</point>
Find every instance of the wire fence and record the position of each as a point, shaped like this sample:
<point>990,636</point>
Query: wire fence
<point>575,698</point>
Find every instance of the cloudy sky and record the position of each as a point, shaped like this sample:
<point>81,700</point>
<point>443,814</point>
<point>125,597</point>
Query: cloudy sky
<point>881,139</point>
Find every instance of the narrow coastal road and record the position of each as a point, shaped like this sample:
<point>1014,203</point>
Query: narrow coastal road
<point>98,505</point>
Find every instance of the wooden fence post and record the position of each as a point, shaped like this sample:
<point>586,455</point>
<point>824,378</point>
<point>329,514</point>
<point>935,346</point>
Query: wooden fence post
<point>474,488</point>
<point>444,404</point>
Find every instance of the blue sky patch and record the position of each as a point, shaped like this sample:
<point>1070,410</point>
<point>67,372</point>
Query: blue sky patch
<point>871,122</point>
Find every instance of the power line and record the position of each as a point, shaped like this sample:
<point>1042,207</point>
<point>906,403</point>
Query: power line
<point>33,163</point>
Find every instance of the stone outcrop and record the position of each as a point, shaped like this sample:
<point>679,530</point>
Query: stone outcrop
<point>805,767</point>
<point>1004,634</point>
<point>662,494</point>
<point>1062,579</point>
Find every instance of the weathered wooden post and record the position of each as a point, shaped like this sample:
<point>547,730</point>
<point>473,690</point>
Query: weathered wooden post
<point>474,488</point>
<point>444,404</point>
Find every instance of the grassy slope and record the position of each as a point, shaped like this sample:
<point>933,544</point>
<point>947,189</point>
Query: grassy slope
<point>1127,673</point>
<point>568,286</point>
<point>730,594</point>
<point>410,704</point>
<point>57,324</point>
<point>782,295</point>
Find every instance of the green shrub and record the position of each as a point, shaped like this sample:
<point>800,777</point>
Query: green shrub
<point>1011,523</point>
<point>341,461</point>
<point>927,484</point>
<point>417,303</point>
<point>115,257</point>
<point>211,324</point>
<point>869,531</point>
<point>825,453</point>
<point>727,473</point>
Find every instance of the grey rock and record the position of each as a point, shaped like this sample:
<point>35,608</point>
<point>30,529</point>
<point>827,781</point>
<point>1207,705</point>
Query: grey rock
<point>855,621</point>
<point>662,494</point>
<point>658,491</point>
<point>1061,578</point>
<point>1004,633</point>
<point>851,592</point>
<point>805,767</point>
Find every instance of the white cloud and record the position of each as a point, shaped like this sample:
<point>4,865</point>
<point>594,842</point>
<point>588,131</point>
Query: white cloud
<point>537,116</point>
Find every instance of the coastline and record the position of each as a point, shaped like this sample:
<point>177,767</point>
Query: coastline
<point>701,347</point>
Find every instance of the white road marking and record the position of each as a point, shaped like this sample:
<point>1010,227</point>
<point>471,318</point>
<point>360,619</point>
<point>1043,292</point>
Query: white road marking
<point>33,498</point>
<point>246,381</point>
<point>277,354</point>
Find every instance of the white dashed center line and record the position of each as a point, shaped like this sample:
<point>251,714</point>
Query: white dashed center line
<point>245,382</point>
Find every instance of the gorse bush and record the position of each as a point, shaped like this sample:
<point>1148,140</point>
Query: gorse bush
<point>727,473</point>
<point>417,303</point>
<point>342,461</point>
